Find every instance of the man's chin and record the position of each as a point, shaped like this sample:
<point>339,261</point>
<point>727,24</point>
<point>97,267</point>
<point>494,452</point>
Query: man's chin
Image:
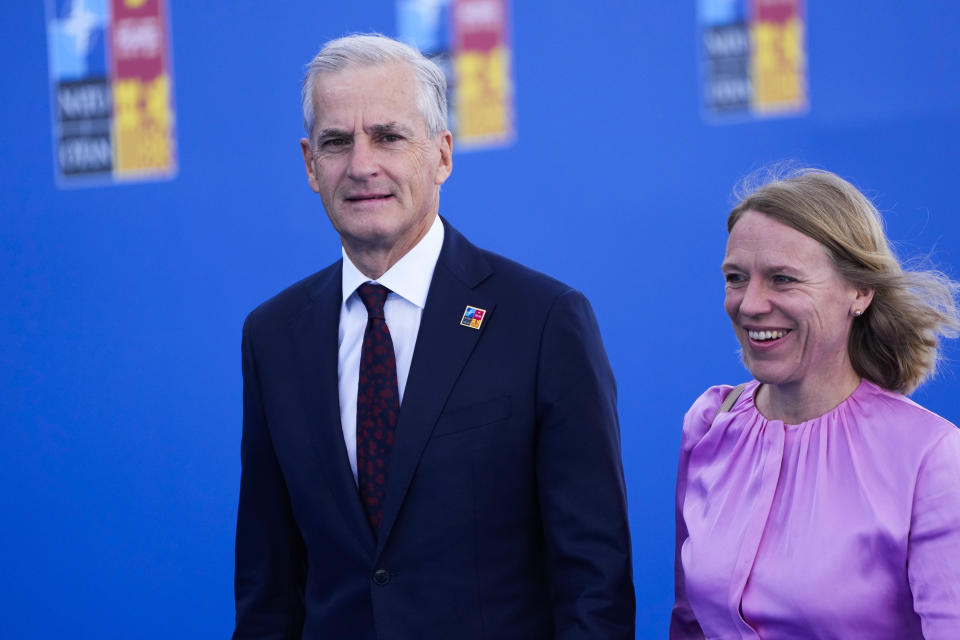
<point>372,237</point>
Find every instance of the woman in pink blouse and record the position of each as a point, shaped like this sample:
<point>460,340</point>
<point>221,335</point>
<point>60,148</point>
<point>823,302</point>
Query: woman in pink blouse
<point>823,503</point>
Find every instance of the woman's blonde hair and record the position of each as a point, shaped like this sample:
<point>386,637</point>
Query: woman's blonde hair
<point>896,342</point>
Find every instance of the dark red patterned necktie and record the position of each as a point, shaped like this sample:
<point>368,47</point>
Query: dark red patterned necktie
<point>378,403</point>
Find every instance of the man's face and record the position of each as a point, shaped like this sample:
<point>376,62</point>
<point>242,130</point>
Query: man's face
<point>371,160</point>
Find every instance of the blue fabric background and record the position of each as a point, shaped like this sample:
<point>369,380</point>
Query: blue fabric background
<point>121,306</point>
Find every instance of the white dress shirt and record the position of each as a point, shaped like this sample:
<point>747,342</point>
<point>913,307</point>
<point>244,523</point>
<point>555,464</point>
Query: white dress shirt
<point>409,282</point>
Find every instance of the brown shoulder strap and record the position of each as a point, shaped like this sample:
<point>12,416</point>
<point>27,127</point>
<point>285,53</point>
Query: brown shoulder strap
<point>731,398</point>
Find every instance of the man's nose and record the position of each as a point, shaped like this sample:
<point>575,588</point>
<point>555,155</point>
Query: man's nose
<point>363,159</point>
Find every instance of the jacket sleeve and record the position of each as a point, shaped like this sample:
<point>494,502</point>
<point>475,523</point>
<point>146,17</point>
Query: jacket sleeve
<point>933,555</point>
<point>270,572</point>
<point>580,479</point>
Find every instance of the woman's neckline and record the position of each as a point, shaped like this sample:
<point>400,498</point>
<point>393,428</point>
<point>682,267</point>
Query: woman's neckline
<point>794,425</point>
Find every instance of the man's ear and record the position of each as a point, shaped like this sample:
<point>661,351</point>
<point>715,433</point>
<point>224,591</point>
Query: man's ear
<point>308,164</point>
<point>445,140</point>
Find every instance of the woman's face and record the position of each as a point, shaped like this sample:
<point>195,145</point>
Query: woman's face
<point>790,308</point>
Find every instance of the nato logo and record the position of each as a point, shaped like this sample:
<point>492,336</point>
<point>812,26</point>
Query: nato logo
<point>472,317</point>
<point>76,34</point>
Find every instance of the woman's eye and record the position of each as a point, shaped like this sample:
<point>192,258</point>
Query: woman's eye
<point>733,278</point>
<point>781,279</point>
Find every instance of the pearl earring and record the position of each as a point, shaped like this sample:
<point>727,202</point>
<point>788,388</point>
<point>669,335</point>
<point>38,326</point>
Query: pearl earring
<point>857,312</point>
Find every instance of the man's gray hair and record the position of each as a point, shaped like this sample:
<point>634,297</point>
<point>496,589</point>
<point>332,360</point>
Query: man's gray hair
<point>375,49</point>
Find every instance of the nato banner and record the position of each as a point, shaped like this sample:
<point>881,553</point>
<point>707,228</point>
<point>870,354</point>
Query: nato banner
<point>469,40</point>
<point>753,58</point>
<point>111,89</point>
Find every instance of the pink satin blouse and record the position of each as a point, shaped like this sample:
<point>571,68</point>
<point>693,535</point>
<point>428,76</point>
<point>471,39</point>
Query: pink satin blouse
<point>846,526</point>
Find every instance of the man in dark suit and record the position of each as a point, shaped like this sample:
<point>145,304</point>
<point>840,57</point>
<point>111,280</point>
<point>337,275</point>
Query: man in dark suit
<point>430,441</point>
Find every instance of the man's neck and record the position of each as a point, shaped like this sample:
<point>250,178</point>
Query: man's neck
<point>374,260</point>
<point>373,264</point>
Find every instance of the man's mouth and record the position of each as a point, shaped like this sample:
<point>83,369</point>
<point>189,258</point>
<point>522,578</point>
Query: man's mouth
<point>767,335</point>
<point>368,196</point>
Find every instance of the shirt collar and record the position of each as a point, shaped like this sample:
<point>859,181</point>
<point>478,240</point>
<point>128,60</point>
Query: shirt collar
<point>410,277</point>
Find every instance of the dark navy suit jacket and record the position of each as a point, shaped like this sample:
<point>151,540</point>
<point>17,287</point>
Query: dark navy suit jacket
<point>505,515</point>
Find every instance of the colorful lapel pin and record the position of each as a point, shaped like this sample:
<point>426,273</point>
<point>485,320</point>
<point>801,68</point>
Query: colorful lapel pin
<point>472,317</point>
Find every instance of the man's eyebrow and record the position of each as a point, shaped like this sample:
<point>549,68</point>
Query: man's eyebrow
<point>333,133</point>
<point>390,127</point>
<point>729,264</point>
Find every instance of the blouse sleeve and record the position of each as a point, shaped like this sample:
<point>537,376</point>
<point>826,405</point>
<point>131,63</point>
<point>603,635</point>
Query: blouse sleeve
<point>683,622</point>
<point>933,556</point>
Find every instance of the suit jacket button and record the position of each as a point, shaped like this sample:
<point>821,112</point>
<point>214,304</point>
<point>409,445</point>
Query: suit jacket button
<point>381,577</point>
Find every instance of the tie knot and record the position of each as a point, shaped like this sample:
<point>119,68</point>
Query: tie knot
<point>373,296</point>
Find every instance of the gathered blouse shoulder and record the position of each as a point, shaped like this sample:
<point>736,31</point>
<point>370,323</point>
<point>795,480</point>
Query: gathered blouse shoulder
<point>843,526</point>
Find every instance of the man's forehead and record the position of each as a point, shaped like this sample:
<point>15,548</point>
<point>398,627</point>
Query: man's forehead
<point>367,96</point>
<point>398,75</point>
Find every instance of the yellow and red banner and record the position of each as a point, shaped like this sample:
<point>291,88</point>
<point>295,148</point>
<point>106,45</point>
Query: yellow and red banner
<point>469,40</point>
<point>112,88</point>
<point>754,57</point>
<point>142,100</point>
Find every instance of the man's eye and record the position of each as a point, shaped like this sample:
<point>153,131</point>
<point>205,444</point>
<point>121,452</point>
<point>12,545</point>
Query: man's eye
<point>733,278</point>
<point>334,143</point>
<point>782,279</point>
<point>391,137</point>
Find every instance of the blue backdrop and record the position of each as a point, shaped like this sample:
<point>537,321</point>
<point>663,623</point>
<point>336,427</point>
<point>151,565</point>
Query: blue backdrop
<point>121,307</point>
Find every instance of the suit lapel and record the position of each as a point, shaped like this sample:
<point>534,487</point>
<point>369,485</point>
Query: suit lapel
<point>316,335</point>
<point>442,349</point>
